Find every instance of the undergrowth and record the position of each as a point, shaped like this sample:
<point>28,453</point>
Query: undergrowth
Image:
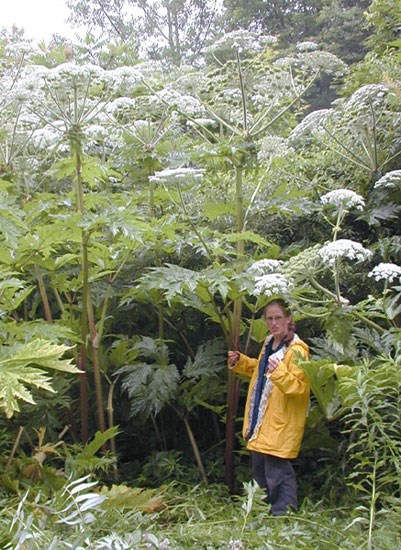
<point>186,517</point>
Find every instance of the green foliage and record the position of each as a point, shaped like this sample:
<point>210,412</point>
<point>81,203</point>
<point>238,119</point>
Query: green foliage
<point>100,248</point>
<point>323,378</point>
<point>373,398</point>
<point>73,506</point>
<point>151,380</point>
<point>385,17</point>
<point>163,467</point>
<point>202,384</point>
<point>81,461</point>
<point>24,365</point>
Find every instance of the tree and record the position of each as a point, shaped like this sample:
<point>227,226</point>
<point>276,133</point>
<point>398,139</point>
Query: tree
<point>343,29</point>
<point>107,16</point>
<point>338,26</point>
<point>385,16</point>
<point>173,30</point>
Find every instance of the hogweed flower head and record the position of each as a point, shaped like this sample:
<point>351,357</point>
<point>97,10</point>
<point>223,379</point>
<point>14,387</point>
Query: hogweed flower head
<point>273,146</point>
<point>319,60</point>
<point>390,180</point>
<point>306,46</point>
<point>264,267</point>
<point>183,102</point>
<point>367,96</point>
<point>177,175</point>
<point>272,284</point>
<point>314,123</point>
<point>343,248</point>
<point>240,40</point>
<point>386,272</point>
<point>343,199</point>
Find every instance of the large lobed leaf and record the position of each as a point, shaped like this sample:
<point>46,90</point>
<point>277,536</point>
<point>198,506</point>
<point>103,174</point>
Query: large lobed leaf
<point>21,366</point>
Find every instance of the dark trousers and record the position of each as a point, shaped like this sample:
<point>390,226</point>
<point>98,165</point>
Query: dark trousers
<point>276,475</point>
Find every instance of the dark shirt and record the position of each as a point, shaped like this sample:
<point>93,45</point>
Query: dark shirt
<point>260,384</point>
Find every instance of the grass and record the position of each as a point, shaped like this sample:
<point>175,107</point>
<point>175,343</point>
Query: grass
<point>207,518</point>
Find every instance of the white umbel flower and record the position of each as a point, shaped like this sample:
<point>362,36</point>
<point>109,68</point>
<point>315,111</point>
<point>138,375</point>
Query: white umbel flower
<point>386,272</point>
<point>343,248</point>
<point>176,175</point>
<point>306,46</point>
<point>264,267</point>
<point>391,180</point>
<point>343,198</point>
<point>273,146</point>
<point>312,124</point>
<point>271,284</point>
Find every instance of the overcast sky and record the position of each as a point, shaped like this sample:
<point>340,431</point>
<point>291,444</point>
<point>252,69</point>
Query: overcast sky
<point>40,18</point>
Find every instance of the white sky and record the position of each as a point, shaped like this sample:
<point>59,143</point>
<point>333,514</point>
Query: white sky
<point>40,18</point>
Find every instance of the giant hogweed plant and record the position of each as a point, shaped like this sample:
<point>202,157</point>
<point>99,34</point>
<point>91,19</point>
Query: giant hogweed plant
<point>239,107</point>
<point>355,131</point>
<point>62,107</point>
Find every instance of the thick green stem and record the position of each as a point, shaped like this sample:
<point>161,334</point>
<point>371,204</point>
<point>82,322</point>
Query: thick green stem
<point>58,299</point>
<point>83,357</point>
<point>233,381</point>
<point>96,366</point>
<point>318,286</point>
<point>162,440</point>
<point>375,161</point>
<point>79,197</point>
<point>336,272</point>
<point>368,322</point>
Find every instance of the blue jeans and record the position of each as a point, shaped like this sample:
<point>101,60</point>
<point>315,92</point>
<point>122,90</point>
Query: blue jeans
<point>276,475</point>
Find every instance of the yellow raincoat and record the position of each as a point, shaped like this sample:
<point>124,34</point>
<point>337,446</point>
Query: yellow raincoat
<point>284,404</point>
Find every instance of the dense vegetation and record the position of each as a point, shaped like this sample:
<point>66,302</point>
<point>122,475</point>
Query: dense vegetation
<point>154,197</point>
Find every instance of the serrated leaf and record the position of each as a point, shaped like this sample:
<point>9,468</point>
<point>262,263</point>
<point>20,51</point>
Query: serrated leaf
<point>17,371</point>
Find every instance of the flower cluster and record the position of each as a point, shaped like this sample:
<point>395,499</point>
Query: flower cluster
<point>241,40</point>
<point>121,104</point>
<point>306,46</point>
<point>391,180</point>
<point>273,146</point>
<point>367,96</point>
<point>343,199</point>
<point>311,124</point>
<point>343,248</point>
<point>177,175</point>
<point>263,267</point>
<point>286,61</point>
<point>324,61</point>
<point>129,79</point>
<point>47,137</point>
<point>386,272</point>
<point>272,284</point>
<point>183,102</point>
